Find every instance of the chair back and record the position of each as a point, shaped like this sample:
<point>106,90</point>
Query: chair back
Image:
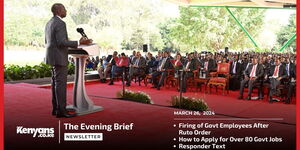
<point>223,68</point>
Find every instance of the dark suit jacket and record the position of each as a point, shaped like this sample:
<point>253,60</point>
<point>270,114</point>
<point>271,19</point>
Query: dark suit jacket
<point>142,62</point>
<point>151,62</point>
<point>259,70</point>
<point>238,68</point>
<point>244,64</point>
<point>192,66</point>
<point>293,73</point>
<point>168,64</point>
<point>282,71</point>
<point>197,61</point>
<point>292,70</point>
<point>211,65</point>
<point>57,43</point>
<point>266,67</point>
<point>109,57</point>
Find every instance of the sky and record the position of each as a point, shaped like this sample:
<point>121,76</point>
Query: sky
<point>282,15</point>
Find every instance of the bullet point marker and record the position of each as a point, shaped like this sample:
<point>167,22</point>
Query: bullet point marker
<point>174,125</point>
<point>174,139</point>
<point>174,146</point>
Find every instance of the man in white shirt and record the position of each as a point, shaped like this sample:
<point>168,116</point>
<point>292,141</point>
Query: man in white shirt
<point>252,74</point>
<point>276,73</point>
<point>163,65</point>
<point>137,67</point>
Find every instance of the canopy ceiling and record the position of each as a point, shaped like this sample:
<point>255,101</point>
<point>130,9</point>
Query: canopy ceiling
<point>239,3</point>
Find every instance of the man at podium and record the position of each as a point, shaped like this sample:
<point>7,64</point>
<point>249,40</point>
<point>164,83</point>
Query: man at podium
<point>57,44</point>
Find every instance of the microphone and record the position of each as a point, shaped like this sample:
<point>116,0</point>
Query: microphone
<point>81,31</point>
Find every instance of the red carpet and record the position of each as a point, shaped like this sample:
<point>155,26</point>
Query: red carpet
<point>227,105</point>
<point>30,106</point>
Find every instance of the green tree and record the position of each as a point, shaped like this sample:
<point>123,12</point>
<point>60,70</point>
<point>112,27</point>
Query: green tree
<point>208,28</point>
<point>286,32</point>
<point>108,22</point>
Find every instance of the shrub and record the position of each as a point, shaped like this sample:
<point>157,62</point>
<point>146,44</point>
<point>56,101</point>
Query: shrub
<point>197,104</point>
<point>135,96</point>
<point>16,72</point>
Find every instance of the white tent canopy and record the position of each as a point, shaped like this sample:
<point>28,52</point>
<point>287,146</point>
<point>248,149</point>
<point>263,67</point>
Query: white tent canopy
<point>238,3</point>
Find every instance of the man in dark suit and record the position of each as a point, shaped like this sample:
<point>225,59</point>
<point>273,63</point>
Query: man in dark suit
<point>111,65</point>
<point>57,43</point>
<point>235,74</point>
<point>137,67</point>
<point>150,63</point>
<point>276,73</point>
<point>209,64</point>
<point>246,62</point>
<point>163,65</point>
<point>252,74</point>
<point>188,66</point>
<point>291,73</point>
<point>132,56</point>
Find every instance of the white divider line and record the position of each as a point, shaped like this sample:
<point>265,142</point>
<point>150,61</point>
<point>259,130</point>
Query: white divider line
<point>229,119</point>
<point>59,131</point>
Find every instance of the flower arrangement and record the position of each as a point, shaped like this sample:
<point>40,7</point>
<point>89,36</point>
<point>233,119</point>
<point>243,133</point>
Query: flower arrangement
<point>135,96</point>
<point>197,104</point>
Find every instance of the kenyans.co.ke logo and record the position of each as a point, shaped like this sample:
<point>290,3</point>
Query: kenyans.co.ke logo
<point>36,132</point>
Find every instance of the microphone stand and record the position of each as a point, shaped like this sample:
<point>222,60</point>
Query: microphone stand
<point>180,87</point>
<point>123,78</point>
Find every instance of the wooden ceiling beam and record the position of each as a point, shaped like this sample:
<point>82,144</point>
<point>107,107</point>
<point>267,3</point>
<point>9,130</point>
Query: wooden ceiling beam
<point>267,4</point>
<point>213,2</point>
<point>282,1</point>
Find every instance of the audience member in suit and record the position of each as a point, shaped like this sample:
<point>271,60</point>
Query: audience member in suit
<point>266,65</point>
<point>252,74</point>
<point>197,59</point>
<point>202,60</point>
<point>112,59</point>
<point>276,73</point>
<point>291,73</point>
<point>246,63</point>
<point>132,56</point>
<point>177,64</point>
<point>121,65</point>
<point>57,44</point>
<point>270,60</point>
<point>209,64</point>
<point>150,63</point>
<point>188,67</point>
<point>89,64</point>
<point>163,66</point>
<point>137,67</point>
<point>156,62</point>
<point>262,80</point>
<point>101,69</point>
<point>235,74</point>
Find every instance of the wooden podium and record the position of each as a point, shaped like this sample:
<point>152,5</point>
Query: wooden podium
<point>82,103</point>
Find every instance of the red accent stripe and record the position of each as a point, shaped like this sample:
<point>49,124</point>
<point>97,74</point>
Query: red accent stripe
<point>1,75</point>
<point>297,88</point>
